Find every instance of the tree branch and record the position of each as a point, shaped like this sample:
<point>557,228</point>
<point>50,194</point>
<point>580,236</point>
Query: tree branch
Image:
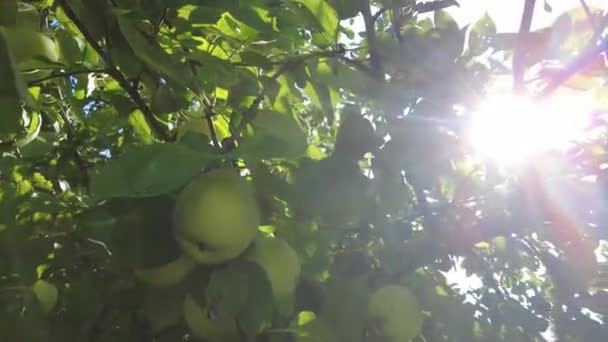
<point>66,74</point>
<point>209,117</point>
<point>433,6</point>
<point>252,110</point>
<point>572,68</point>
<point>590,17</point>
<point>116,74</point>
<point>370,33</point>
<point>519,55</point>
<point>380,12</point>
<point>250,113</point>
<point>82,165</point>
<point>596,47</point>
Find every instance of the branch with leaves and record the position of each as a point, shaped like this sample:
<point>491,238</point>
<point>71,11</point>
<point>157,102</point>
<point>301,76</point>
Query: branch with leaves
<point>116,74</point>
<point>250,113</point>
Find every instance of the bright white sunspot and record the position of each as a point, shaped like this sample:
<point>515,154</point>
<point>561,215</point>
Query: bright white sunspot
<point>511,129</point>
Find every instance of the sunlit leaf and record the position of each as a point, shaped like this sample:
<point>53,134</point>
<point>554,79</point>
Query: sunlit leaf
<point>149,170</point>
<point>325,14</point>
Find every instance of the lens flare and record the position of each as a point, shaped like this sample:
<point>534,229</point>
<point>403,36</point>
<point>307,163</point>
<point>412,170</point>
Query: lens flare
<point>510,129</point>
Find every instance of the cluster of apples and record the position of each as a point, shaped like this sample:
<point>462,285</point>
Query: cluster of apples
<point>216,221</point>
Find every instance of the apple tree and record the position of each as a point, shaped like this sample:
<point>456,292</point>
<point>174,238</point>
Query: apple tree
<point>291,170</point>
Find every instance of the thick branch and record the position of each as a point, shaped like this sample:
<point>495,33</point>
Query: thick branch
<point>370,34</point>
<point>116,74</point>
<point>519,55</point>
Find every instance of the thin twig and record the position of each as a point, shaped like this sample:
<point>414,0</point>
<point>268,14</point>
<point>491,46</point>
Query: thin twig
<point>432,6</point>
<point>66,74</point>
<point>519,55</point>
<point>82,166</point>
<point>161,20</point>
<point>116,74</point>
<point>209,114</point>
<point>380,12</point>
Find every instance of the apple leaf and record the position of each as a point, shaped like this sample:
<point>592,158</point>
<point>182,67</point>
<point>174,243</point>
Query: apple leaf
<point>149,170</point>
<point>46,293</point>
<point>241,290</point>
<point>275,136</point>
<point>325,15</point>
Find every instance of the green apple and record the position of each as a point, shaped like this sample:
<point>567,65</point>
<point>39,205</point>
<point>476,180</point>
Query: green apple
<point>216,217</point>
<point>203,325</point>
<point>395,309</point>
<point>166,275</point>
<point>281,264</point>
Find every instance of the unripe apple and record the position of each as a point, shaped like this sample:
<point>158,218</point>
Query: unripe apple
<point>216,217</point>
<point>395,309</point>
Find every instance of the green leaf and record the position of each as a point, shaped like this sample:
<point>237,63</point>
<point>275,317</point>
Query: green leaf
<point>254,58</point>
<point>215,70</point>
<point>242,290</point>
<point>325,15</point>
<point>319,92</point>
<point>32,131</point>
<point>227,291</point>
<point>482,34</point>
<point>151,54</point>
<point>12,91</point>
<point>259,309</point>
<point>149,170</point>
<point>69,48</point>
<point>46,293</point>
<point>346,8</point>
<point>8,12</point>
<point>444,21</point>
<point>140,126</point>
<point>274,136</point>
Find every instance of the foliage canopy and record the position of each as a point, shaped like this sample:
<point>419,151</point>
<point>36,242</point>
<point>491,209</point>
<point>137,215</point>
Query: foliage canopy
<point>349,120</point>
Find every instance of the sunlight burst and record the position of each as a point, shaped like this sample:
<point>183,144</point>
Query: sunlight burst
<point>510,129</point>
